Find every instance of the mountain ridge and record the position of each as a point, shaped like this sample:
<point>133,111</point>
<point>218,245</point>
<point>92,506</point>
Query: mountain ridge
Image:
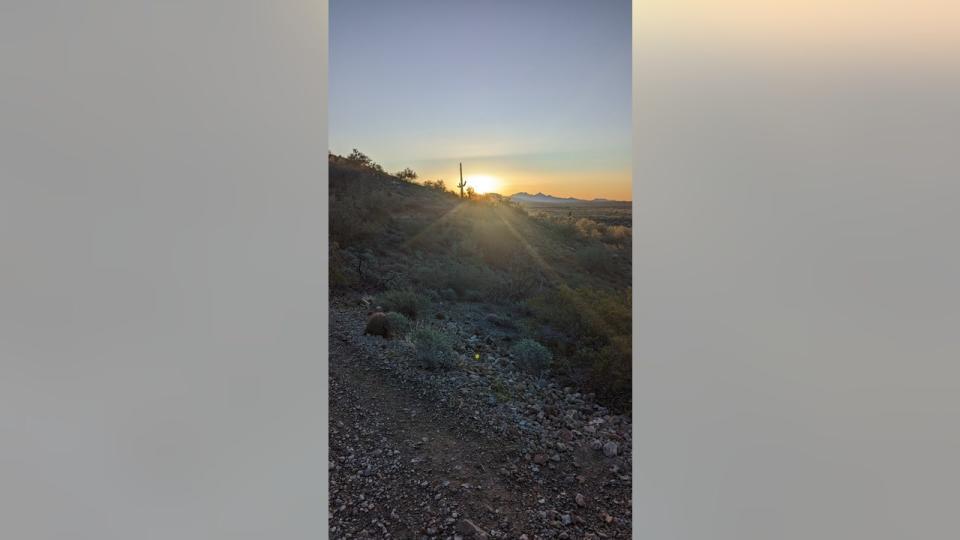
<point>541,197</point>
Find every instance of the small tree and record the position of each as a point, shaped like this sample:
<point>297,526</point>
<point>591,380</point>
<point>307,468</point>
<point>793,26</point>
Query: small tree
<point>359,157</point>
<point>406,175</point>
<point>471,193</point>
<point>438,185</point>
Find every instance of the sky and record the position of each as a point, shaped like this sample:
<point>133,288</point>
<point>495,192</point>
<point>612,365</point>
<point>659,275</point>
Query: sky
<point>530,95</point>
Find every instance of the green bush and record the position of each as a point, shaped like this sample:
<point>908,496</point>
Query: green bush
<point>398,324</point>
<point>434,350</point>
<point>404,301</point>
<point>531,356</point>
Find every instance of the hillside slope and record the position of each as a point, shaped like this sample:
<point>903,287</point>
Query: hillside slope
<point>489,443</point>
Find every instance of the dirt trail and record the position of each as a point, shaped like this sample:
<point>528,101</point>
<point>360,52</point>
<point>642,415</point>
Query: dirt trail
<point>414,455</point>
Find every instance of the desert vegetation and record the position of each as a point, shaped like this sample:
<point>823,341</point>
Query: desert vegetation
<point>555,285</point>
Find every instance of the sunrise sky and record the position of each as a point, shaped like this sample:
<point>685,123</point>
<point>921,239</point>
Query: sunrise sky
<point>530,96</point>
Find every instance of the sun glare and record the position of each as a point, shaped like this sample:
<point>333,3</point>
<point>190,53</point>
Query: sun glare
<point>483,183</point>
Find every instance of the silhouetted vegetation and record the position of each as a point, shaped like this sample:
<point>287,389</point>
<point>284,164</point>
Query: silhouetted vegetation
<point>406,175</point>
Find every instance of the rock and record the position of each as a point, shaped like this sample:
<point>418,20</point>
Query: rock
<point>581,500</point>
<point>539,459</point>
<point>566,435</point>
<point>610,449</point>
<point>468,528</point>
<point>566,519</point>
<point>596,444</point>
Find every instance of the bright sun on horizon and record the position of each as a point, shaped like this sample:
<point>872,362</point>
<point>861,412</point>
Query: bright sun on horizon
<point>483,183</point>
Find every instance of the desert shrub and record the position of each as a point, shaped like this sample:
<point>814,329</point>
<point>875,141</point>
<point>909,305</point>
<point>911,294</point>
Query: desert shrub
<point>593,258</point>
<point>589,228</point>
<point>608,369</point>
<point>405,301</point>
<point>617,234</point>
<point>434,349</point>
<point>448,295</point>
<point>437,185</point>
<point>589,314</point>
<point>359,158</point>
<point>397,324</point>
<point>595,349</point>
<point>358,216</point>
<point>406,175</point>
<point>531,356</point>
<point>378,325</point>
<point>342,268</point>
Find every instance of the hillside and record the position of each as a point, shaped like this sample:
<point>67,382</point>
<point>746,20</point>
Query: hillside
<point>564,281</point>
<point>492,400</point>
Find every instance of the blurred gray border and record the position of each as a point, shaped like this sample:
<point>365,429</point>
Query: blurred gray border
<point>796,293</point>
<point>163,304</point>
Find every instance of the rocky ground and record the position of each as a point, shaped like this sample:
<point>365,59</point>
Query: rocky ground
<point>480,451</point>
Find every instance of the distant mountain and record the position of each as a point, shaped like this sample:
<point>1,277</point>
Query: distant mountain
<point>541,198</point>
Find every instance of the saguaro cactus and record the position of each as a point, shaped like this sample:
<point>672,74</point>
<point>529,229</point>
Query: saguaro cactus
<point>462,183</point>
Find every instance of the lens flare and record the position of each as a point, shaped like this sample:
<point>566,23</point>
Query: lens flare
<point>483,183</point>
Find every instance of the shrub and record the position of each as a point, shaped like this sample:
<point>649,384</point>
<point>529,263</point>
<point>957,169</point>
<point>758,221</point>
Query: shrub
<point>593,258</point>
<point>406,175</point>
<point>378,325</point>
<point>617,234</point>
<point>404,301</point>
<point>608,369</point>
<point>342,268</point>
<point>358,217</point>
<point>449,295</point>
<point>434,350</point>
<point>589,228</point>
<point>359,157</point>
<point>437,185</point>
<point>531,356</point>
<point>397,324</point>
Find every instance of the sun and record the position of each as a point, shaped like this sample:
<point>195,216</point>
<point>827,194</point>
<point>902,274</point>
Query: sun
<point>483,183</point>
